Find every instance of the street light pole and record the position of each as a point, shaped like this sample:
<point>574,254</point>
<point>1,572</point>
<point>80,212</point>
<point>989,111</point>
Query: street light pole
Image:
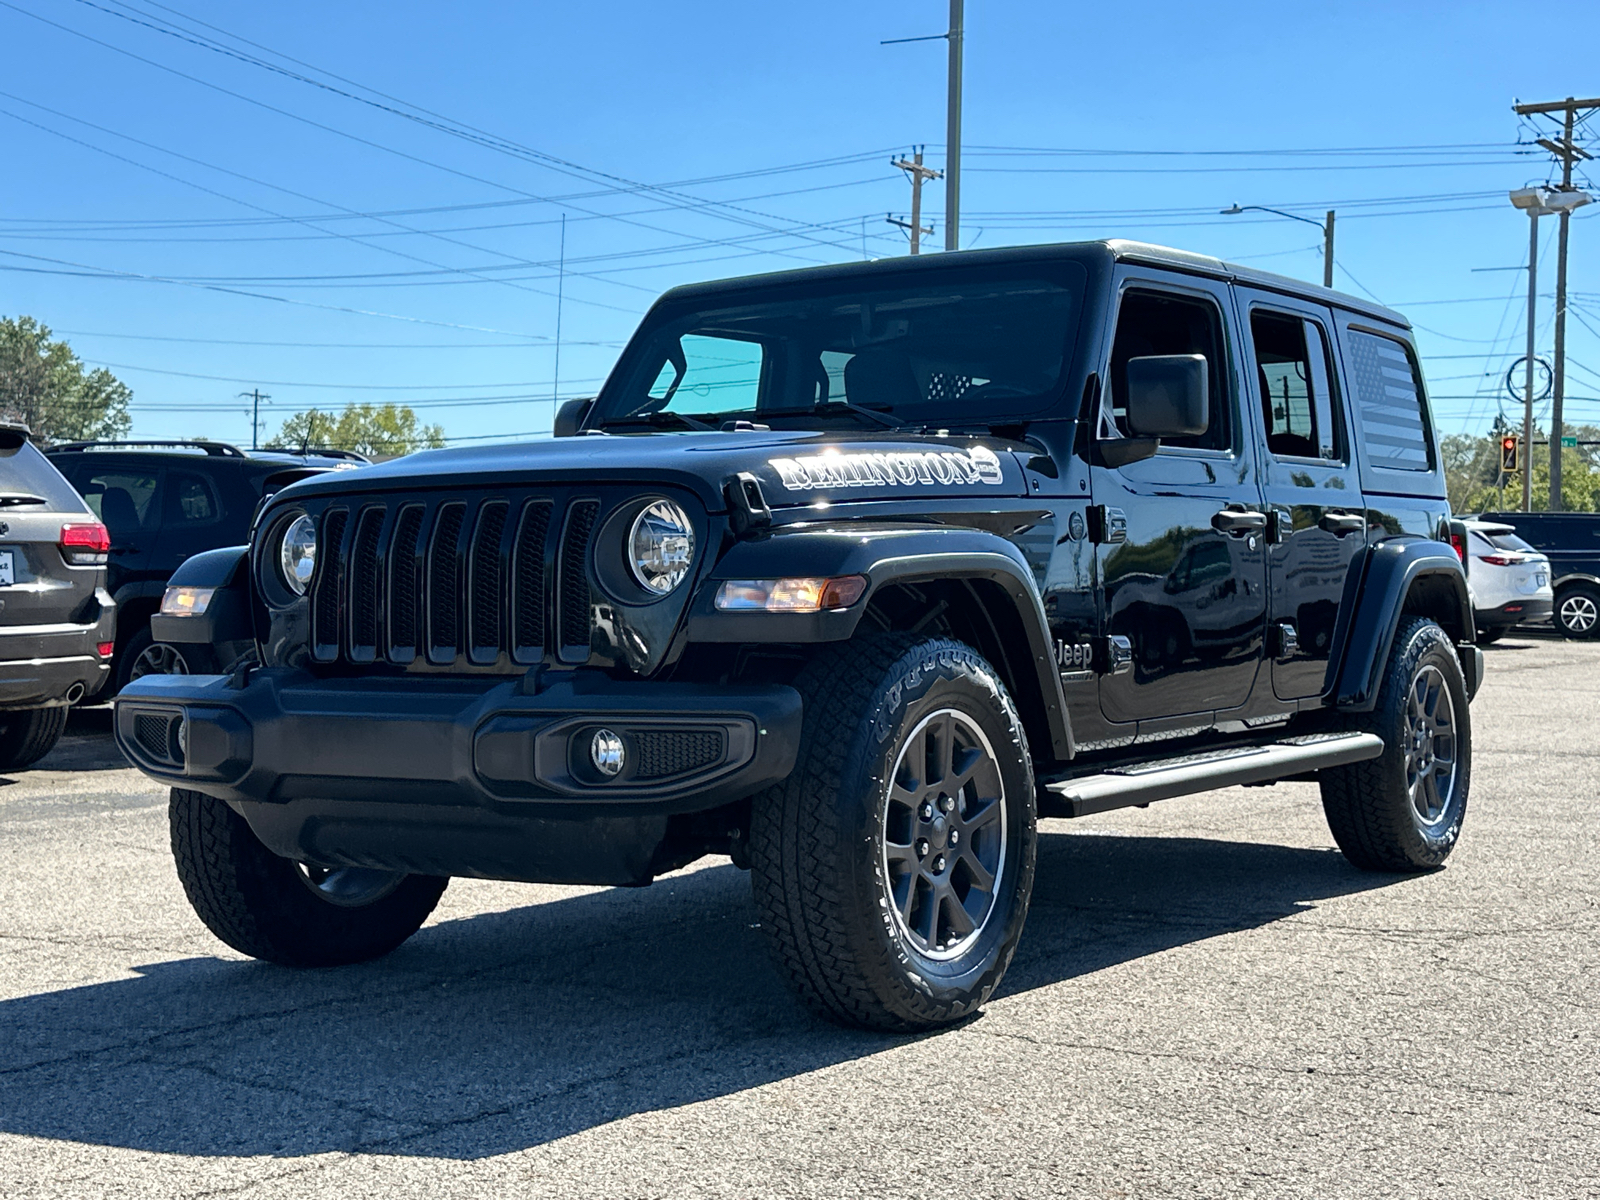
<point>952,134</point>
<point>1326,227</point>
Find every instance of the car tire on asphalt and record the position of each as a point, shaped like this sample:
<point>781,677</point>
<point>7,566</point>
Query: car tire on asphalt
<point>287,912</point>
<point>893,868</point>
<point>1578,611</point>
<point>1403,810</point>
<point>28,735</point>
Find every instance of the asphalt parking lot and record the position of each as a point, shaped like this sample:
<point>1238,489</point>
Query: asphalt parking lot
<point>1208,1002</point>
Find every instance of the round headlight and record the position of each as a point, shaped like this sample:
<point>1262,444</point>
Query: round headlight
<point>660,547</point>
<point>297,555</point>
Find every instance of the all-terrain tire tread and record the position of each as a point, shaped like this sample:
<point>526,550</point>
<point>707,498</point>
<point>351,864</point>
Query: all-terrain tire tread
<point>794,843</point>
<point>244,894</point>
<point>1370,829</point>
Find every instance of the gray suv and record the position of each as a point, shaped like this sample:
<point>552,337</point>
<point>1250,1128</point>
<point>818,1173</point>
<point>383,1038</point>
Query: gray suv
<point>57,621</point>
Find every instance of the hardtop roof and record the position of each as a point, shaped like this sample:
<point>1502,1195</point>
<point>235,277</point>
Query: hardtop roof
<point>1109,249</point>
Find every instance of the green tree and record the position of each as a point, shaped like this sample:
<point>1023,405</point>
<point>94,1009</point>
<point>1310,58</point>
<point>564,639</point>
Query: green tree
<point>377,430</point>
<point>44,385</point>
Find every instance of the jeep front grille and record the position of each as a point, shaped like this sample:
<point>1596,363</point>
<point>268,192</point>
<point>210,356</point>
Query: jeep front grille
<point>454,579</point>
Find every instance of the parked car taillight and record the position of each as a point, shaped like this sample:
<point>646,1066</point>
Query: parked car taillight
<point>1500,560</point>
<point>85,545</point>
<point>1460,545</point>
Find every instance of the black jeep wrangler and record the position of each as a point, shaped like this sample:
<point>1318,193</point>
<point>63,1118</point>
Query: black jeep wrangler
<point>849,574</point>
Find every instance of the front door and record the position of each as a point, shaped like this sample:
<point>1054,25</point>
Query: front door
<point>1182,538</point>
<point>1314,505</point>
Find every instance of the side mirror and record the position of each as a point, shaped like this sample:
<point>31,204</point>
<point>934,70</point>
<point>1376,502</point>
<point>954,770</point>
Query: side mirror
<point>1167,396</point>
<point>569,417</point>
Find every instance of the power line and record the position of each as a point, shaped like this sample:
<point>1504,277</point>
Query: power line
<point>345,133</point>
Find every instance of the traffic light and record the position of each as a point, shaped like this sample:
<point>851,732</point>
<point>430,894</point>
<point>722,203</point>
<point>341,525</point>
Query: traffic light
<point>1508,455</point>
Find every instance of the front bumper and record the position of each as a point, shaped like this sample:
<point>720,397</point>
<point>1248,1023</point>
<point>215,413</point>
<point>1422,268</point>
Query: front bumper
<point>454,777</point>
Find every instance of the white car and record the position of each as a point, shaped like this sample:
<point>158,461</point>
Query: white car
<point>1507,579</point>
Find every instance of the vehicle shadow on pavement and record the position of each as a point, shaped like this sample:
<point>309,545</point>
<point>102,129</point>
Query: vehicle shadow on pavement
<point>508,1030</point>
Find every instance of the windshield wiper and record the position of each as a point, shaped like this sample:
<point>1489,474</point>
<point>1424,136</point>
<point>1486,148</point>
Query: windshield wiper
<point>659,419</point>
<point>826,407</point>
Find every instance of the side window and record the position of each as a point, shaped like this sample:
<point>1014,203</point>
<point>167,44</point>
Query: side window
<point>122,499</point>
<point>708,374</point>
<point>1388,390</point>
<point>190,499</point>
<point>1295,380</point>
<point>1160,323</point>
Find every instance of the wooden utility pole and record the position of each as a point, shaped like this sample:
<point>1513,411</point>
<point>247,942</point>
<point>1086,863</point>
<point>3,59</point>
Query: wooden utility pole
<point>1567,153</point>
<point>919,174</point>
<point>255,397</point>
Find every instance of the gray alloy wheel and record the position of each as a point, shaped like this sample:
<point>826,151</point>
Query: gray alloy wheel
<point>944,834</point>
<point>158,658</point>
<point>349,887</point>
<point>1430,747</point>
<point>1578,614</point>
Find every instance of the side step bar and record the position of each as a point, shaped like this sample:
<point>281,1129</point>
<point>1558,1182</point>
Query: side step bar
<point>1185,775</point>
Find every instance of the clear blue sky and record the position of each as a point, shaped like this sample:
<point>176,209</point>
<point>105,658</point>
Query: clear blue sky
<point>331,250</point>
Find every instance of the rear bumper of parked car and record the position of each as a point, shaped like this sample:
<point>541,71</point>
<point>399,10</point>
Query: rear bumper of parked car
<point>454,777</point>
<point>46,666</point>
<point>1514,612</point>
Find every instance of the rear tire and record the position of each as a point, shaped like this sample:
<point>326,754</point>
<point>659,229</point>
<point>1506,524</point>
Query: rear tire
<point>1403,810</point>
<point>28,735</point>
<point>1578,611</point>
<point>893,867</point>
<point>282,911</point>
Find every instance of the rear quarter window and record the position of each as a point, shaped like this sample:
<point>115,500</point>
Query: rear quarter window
<point>1389,401</point>
<point>24,471</point>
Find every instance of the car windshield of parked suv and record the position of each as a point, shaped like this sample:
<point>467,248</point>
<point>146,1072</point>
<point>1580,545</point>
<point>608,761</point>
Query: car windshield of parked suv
<point>951,347</point>
<point>24,472</point>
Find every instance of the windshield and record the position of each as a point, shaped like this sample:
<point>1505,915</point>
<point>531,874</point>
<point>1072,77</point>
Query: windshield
<point>958,347</point>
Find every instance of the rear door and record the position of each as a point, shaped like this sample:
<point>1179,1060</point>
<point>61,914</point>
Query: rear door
<point>1313,498</point>
<point>126,498</point>
<point>192,518</point>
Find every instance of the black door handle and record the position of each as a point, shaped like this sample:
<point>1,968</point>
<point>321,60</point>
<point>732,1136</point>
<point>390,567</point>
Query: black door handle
<point>1238,522</point>
<point>1340,524</point>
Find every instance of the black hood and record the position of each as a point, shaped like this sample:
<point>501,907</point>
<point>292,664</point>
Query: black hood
<point>793,467</point>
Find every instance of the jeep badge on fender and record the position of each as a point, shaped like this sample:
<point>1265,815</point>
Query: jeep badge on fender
<point>858,571</point>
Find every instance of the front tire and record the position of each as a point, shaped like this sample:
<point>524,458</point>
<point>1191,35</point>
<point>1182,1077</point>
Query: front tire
<point>893,868</point>
<point>1403,810</point>
<point>287,912</point>
<point>28,735</point>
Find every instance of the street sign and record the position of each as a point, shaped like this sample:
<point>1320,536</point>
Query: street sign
<point>1568,441</point>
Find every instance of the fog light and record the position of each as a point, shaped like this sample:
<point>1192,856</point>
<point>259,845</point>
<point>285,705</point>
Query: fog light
<point>183,739</point>
<point>607,752</point>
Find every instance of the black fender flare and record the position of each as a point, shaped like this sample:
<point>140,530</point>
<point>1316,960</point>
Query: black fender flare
<point>227,618</point>
<point>1377,590</point>
<point>885,555</point>
<point>148,589</point>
